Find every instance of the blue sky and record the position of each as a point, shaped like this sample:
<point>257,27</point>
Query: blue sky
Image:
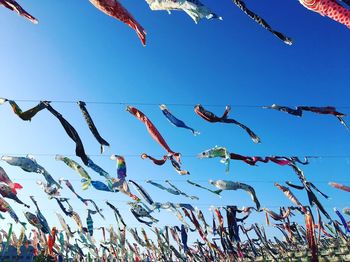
<point>78,53</point>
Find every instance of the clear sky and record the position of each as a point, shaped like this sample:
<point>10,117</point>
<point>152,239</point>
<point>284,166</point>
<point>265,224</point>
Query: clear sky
<point>78,53</point>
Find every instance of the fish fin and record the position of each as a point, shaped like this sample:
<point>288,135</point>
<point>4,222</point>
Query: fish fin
<point>85,183</point>
<point>23,224</point>
<point>218,192</point>
<point>15,186</point>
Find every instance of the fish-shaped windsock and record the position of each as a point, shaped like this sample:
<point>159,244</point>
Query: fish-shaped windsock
<point>169,190</point>
<point>71,188</point>
<point>51,191</point>
<point>241,5</point>
<point>121,166</point>
<point>4,178</point>
<point>291,196</point>
<point>184,238</point>
<point>217,151</point>
<point>139,212</point>
<point>90,222</point>
<point>98,185</point>
<point>153,131</point>
<point>91,125</point>
<point>76,167</point>
<point>160,162</point>
<point>180,191</point>
<point>14,6</point>
<point>346,211</point>
<point>71,132</point>
<point>21,238</point>
<point>77,220</point>
<point>216,192</point>
<point>33,220</point>
<point>30,165</point>
<point>175,121</point>
<point>194,8</point>
<point>330,8</point>
<point>142,192</point>
<point>5,207</point>
<point>230,185</point>
<point>64,225</point>
<point>51,240</point>
<point>98,170</point>
<point>339,186</point>
<point>298,111</point>
<point>40,216</point>
<point>7,192</point>
<point>212,118</point>
<point>310,235</point>
<point>115,9</point>
<point>117,214</point>
<point>342,219</point>
<point>9,235</point>
<point>28,114</point>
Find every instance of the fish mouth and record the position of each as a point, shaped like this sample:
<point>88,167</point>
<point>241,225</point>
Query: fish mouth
<point>162,107</point>
<point>5,158</point>
<point>202,155</point>
<point>129,109</point>
<point>116,157</point>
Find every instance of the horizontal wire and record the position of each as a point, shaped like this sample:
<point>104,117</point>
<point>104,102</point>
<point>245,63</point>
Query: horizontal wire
<point>201,180</point>
<point>150,104</point>
<point>185,155</point>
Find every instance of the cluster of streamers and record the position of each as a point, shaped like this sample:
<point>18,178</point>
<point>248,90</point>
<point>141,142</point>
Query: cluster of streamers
<point>115,9</point>
<point>228,238</point>
<point>14,6</point>
<point>194,8</point>
<point>113,184</point>
<point>241,5</point>
<point>197,11</point>
<point>91,125</point>
<point>175,121</point>
<point>298,111</point>
<point>212,118</point>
